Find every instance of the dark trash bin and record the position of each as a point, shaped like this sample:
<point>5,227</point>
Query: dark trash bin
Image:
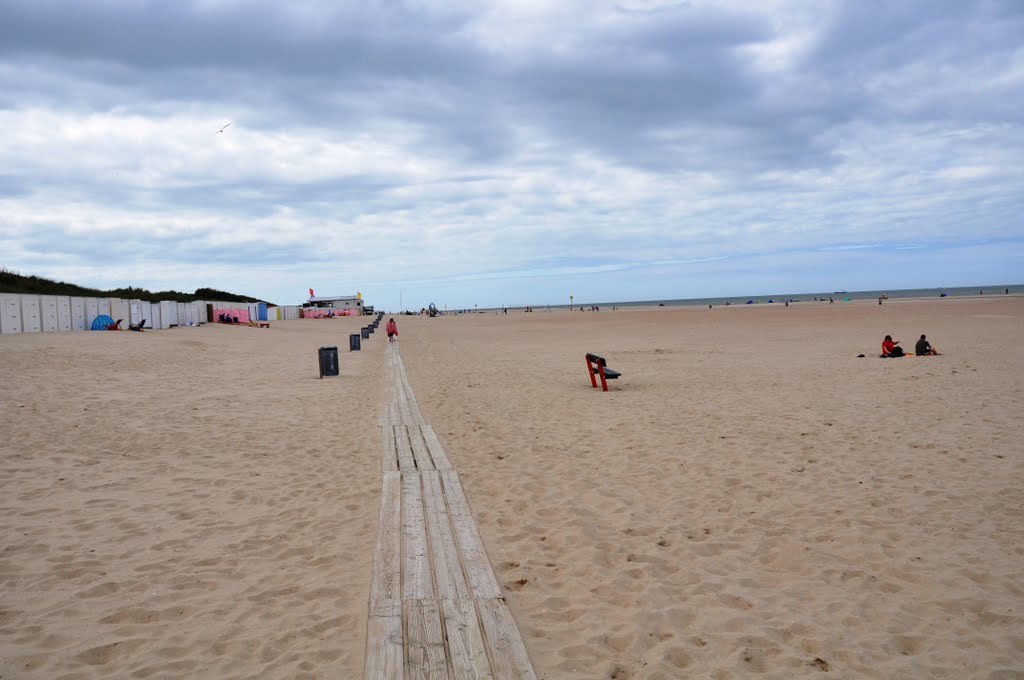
<point>371,329</point>
<point>328,360</point>
<point>365,332</point>
<point>353,342</point>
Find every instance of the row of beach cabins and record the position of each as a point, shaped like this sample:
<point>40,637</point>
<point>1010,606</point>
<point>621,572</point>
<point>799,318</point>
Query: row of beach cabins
<point>27,313</point>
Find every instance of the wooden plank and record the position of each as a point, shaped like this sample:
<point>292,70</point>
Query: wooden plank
<point>417,580</point>
<point>389,451</point>
<point>419,448</point>
<point>509,660</point>
<point>406,462</point>
<point>404,415</point>
<point>437,453</point>
<point>385,650</point>
<point>466,648</point>
<point>424,641</point>
<point>474,559</point>
<point>405,387</point>
<point>385,584</point>
<point>448,577</point>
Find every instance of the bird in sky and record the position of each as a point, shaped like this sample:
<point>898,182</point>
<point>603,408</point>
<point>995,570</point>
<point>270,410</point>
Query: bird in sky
<point>222,129</point>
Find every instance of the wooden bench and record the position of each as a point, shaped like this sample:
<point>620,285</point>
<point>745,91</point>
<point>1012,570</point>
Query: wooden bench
<point>597,366</point>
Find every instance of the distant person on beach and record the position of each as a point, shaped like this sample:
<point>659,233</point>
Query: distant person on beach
<point>891,348</point>
<point>392,329</point>
<point>924,348</point>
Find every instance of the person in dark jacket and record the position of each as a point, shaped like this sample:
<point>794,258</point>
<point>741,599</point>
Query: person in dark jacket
<point>924,348</point>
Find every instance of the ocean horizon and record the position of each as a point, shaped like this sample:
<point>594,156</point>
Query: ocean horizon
<point>782,298</point>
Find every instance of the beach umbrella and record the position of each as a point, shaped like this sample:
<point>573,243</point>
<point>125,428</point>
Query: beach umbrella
<point>101,322</point>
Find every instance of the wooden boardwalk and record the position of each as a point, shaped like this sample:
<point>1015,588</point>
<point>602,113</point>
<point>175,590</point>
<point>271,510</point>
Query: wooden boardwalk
<point>436,609</point>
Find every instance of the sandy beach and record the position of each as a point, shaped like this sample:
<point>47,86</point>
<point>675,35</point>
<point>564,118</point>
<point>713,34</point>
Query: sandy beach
<point>750,499</point>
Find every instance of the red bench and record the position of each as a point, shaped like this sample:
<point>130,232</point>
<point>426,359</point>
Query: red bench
<point>597,366</point>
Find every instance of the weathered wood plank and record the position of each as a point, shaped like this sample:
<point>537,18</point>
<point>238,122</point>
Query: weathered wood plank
<point>437,453</point>
<point>385,650</point>
<point>466,648</point>
<point>448,576</point>
<point>474,559</point>
<point>406,461</point>
<point>405,411</point>
<point>389,450</point>
<point>419,448</point>
<point>385,584</point>
<point>417,580</point>
<point>509,660</point>
<point>424,641</point>
<point>405,387</point>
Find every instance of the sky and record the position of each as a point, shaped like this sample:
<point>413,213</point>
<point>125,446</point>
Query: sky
<point>512,152</point>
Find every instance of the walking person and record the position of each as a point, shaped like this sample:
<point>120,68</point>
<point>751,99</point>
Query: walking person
<point>392,329</point>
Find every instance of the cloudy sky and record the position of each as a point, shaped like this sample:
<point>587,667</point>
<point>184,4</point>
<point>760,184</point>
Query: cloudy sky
<point>513,152</point>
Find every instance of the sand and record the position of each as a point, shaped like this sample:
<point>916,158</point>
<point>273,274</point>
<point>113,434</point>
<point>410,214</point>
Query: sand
<point>749,500</point>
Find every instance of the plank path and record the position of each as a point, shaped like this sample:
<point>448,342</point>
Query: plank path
<point>436,609</point>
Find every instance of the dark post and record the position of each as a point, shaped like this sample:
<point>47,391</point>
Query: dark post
<point>328,360</point>
<point>353,342</point>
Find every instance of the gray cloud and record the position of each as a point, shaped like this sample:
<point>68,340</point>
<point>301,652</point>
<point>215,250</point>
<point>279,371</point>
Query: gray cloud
<point>491,139</point>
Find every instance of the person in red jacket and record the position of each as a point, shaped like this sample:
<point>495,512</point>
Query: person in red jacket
<point>891,348</point>
<point>392,329</point>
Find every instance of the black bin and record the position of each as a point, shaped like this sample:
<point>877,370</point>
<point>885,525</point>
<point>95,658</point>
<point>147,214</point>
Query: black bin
<point>365,331</point>
<point>328,360</point>
<point>371,329</point>
<point>353,342</point>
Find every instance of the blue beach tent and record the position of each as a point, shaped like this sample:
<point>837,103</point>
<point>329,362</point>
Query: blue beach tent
<point>101,322</point>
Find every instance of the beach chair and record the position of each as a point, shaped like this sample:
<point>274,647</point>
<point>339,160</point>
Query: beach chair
<point>597,366</point>
<point>137,327</point>
<point>116,326</point>
<point>258,324</point>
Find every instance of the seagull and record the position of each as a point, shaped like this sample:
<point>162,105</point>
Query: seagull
<point>222,129</point>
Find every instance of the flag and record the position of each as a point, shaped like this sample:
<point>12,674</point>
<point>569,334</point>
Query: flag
<point>359,295</point>
<point>311,296</point>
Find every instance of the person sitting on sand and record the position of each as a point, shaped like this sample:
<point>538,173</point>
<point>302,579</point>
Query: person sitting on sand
<point>891,348</point>
<point>392,329</point>
<point>923,348</point>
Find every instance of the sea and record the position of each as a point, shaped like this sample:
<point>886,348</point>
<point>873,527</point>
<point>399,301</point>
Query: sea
<point>835,295</point>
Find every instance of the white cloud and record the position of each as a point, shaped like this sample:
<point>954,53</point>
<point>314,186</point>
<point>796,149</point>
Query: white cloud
<point>653,148</point>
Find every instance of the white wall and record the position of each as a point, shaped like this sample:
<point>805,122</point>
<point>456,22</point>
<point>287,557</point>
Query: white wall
<point>31,321</point>
<point>78,314</point>
<point>119,310</point>
<point>92,310</point>
<point>48,313</point>
<point>134,312</point>
<point>52,313</point>
<point>10,313</point>
<point>64,313</point>
<point>168,313</point>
